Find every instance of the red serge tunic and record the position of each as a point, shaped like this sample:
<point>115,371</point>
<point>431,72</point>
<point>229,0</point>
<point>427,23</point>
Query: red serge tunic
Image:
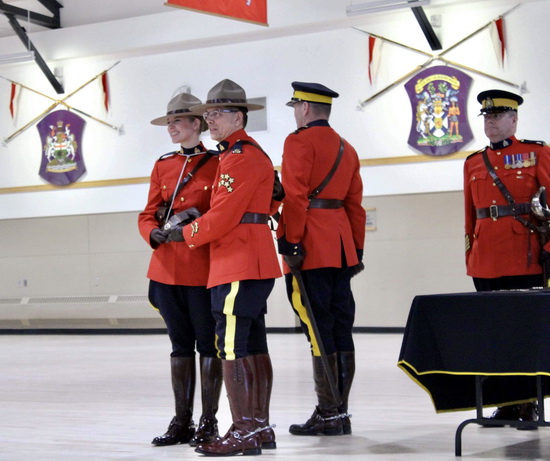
<point>244,183</point>
<point>503,247</point>
<point>174,263</point>
<point>308,156</point>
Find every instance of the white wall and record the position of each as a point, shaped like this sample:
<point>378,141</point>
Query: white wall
<point>418,247</point>
<point>59,268</point>
<point>264,61</point>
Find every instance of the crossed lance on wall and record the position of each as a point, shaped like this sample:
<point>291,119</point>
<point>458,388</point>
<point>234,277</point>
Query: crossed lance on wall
<point>438,57</point>
<point>60,102</point>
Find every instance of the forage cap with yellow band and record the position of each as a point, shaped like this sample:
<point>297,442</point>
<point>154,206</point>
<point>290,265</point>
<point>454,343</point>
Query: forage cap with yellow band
<point>311,92</point>
<point>497,101</point>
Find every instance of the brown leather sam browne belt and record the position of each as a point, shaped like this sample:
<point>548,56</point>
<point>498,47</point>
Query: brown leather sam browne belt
<point>500,211</point>
<point>326,203</point>
<point>255,218</point>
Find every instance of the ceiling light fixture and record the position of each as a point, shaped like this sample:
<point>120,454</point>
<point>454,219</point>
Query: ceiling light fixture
<point>16,57</point>
<point>383,5</point>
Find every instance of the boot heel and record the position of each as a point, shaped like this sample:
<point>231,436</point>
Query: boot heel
<point>333,431</point>
<point>252,452</point>
<point>269,445</point>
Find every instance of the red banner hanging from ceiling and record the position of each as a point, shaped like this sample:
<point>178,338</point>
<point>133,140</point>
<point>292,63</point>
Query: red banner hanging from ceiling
<point>245,10</point>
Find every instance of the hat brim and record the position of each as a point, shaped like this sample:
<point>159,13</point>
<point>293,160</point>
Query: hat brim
<point>202,107</point>
<point>294,101</point>
<point>496,110</point>
<point>163,121</point>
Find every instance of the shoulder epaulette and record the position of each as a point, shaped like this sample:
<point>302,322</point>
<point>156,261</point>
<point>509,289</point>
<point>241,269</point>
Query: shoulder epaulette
<point>302,128</point>
<point>480,151</point>
<point>237,148</point>
<point>528,141</point>
<point>168,155</point>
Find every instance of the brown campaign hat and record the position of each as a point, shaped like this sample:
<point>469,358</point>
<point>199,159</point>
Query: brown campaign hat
<point>227,93</point>
<point>181,105</point>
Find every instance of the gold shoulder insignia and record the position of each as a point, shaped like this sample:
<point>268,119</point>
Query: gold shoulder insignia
<point>237,147</point>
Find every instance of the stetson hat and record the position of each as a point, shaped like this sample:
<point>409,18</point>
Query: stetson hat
<point>182,105</point>
<point>497,101</point>
<point>227,93</point>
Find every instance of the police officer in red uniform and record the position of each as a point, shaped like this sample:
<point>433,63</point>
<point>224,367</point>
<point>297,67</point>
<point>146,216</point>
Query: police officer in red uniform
<point>323,235</point>
<point>178,276</point>
<point>503,248</point>
<point>243,268</point>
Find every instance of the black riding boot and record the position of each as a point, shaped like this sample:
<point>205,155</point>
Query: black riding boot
<point>346,372</point>
<point>211,385</point>
<point>326,419</point>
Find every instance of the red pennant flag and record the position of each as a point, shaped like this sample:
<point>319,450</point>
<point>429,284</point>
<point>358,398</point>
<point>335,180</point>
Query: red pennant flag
<point>105,88</point>
<point>14,98</point>
<point>497,35</point>
<point>374,56</point>
<point>246,10</point>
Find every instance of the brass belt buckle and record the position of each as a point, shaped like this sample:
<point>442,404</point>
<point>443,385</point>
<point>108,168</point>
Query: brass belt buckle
<point>493,212</point>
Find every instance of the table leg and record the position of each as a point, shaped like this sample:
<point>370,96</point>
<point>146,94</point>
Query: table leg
<point>488,422</point>
<point>479,415</point>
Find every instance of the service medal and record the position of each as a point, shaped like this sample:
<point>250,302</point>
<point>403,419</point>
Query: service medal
<point>508,162</point>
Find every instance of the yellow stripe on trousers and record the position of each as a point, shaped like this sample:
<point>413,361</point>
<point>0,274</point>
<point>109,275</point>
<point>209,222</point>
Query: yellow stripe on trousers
<point>230,322</point>
<point>302,313</point>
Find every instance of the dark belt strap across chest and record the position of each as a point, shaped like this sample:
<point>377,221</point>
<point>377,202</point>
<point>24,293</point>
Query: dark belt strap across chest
<point>326,203</point>
<point>500,211</point>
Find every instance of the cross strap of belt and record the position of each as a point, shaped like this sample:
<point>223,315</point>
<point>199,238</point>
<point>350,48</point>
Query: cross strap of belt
<point>255,218</point>
<point>499,211</point>
<point>207,156</point>
<point>330,174</point>
<point>506,194</point>
<point>327,203</point>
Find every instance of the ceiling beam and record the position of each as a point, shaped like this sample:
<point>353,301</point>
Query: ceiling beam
<point>20,31</point>
<point>51,22</point>
<point>426,27</point>
<point>52,5</point>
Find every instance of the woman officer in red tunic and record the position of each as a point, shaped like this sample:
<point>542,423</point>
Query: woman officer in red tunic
<point>178,276</point>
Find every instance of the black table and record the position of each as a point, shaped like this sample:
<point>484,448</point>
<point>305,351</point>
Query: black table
<point>470,350</point>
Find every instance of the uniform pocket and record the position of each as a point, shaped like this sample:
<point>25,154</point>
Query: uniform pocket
<point>521,183</point>
<point>479,186</point>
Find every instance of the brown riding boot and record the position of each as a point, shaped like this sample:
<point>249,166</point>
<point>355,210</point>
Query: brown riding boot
<point>238,377</point>
<point>346,372</point>
<point>182,427</point>
<point>263,383</point>
<point>211,385</point>
<point>326,419</point>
